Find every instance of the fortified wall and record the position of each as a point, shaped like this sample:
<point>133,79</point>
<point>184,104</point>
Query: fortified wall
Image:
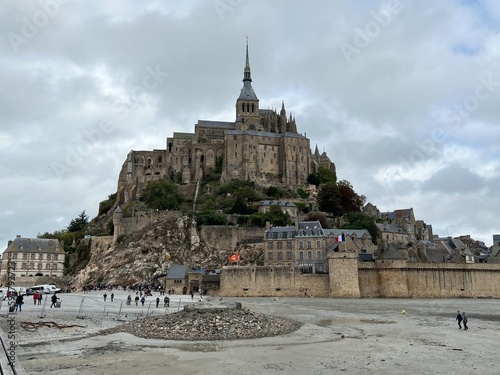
<point>349,278</point>
<point>230,237</point>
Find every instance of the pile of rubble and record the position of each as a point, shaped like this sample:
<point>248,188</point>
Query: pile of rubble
<point>209,323</point>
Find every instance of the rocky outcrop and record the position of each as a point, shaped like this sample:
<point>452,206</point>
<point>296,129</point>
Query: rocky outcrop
<point>143,256</point>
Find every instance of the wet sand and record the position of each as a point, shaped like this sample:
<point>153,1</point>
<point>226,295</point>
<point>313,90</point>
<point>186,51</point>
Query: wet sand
<point>366,336</point>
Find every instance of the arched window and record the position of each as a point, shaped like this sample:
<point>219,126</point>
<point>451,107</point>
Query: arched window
<point>160,160</point>
<point>318,254</point>
<point>309,254</point>
<point>301,255</point>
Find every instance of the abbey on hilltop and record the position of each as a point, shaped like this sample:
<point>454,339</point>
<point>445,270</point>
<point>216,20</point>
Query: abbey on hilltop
<point>261,145</point>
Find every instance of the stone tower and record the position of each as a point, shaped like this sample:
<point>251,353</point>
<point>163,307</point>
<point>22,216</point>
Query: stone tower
<point>343,274</point>
<point>247,104</point>
<point>117,223</point>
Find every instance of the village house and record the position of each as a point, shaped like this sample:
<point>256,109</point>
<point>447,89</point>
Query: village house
<point>287,207</point>
<point>30,257</point>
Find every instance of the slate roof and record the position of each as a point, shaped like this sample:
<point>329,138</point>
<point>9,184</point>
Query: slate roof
<point>277,203</point>
<point>348,232</point>
<point>275,233</point>
<point>34,245</point>
<point>391,253</point>
<point>391,228</point>
<point>436,255</point>
<point>247,92</point>
<point>310,229</point>
<point>177,271</point>
<point>216,124</point>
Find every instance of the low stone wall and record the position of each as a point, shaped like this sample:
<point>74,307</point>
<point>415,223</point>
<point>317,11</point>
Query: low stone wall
<point>391,279</point>
<point>272,281</point>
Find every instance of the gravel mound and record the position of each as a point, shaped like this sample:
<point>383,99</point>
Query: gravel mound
<point>208,324</point>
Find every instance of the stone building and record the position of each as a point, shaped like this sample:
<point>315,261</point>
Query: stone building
<point>307,245</point>
<point>261,145</point>
<point>287,207</point>
<point>33,257</point>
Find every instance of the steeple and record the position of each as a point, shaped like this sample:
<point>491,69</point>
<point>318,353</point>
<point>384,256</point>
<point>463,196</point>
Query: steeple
<point>247,92</point>
<point>247,75</point>
<point>247,104</point>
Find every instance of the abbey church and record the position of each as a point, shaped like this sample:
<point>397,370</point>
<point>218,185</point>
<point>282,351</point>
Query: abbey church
<point>261,145</point>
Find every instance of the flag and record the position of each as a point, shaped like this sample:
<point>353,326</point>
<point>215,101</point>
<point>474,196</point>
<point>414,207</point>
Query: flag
<point>340,238</point>
<point>234,258</point>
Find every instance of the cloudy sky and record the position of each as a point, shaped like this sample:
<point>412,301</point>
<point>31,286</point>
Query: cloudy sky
<point>402,95</point>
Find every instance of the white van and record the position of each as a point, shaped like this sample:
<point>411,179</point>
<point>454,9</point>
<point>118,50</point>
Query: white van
<point>46,288</point>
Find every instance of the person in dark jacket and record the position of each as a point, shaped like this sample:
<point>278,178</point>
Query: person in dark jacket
<point>465,320</point>
<point>459,320</point>
<point>19,301</point>
<point>54,300</point>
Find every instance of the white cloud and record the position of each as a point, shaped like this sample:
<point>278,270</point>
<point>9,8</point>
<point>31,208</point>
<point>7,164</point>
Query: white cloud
<point>387,118</point>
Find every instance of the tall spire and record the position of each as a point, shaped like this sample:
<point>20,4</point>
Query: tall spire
<point>247,74</point>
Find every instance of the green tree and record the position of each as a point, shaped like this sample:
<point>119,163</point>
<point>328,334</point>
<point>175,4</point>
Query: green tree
<point>274,192</point>
<point>313,179</point>
<point>329,198</point>
<point>239,206</point>
<point>79,223</point>
<point>277,217</point>
<point>326,175</point>
<point>162,195</point>
<point>210,218</point>
<point>359,220</point>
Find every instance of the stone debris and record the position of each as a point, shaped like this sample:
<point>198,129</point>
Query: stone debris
<point>208,324</point>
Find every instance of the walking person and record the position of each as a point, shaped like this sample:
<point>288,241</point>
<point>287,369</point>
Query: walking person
<point>53,299</point>
<point>136,300</point>
<point>40,297</point>
<point>459,320</point>
<point>112,296</point>
<point>465,320</point>
<point>19,302</point>
<point>143,299</point>
<point>104,296</point>
<point>35,298</point>
<point>157,301</point>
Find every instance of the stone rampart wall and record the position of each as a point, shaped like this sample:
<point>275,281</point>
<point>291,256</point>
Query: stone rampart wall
<point>393,279</point>
<point>273,281</point>
<point>141,220</point>
<point>230,237</point>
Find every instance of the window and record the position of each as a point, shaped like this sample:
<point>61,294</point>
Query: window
<point>318,244</point>
<point>280,255</point>
<point>270,255</point>
<point>301,245</point>
<point>318,254</point>
<point>33,256</point>
<point>48,256</point>
<point>40,256</point>
<point>301,255</point>
<point>288,245</point>
<point>39,266</point>
<point>25,256</point>
<point>55,256</point>
<point>270,245</point>
<point>309,254</point>
<point>23,266</point>
<point>308,244</point>
<point>289,255</point>
<point>280,245</point>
